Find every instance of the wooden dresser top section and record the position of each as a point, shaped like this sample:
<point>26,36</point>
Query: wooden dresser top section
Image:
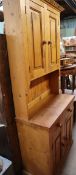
<point>52,110</point>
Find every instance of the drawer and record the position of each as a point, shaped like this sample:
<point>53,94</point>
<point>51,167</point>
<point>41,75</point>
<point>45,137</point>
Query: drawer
<point>69,110</point>
<point>58,125</point>
<point>70,107</point>
<point>56,129</point>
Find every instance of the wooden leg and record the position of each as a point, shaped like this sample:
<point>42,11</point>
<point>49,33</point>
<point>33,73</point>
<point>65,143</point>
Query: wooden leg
<point>68,83</point>
<point>73,82</point>
<point>62,84</point>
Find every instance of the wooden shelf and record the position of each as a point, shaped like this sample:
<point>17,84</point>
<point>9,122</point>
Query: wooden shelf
<point>69,67</point>
<point>70,46</point>
<point>62,59</point>
<point>70,50</point>
<point>51,111</point>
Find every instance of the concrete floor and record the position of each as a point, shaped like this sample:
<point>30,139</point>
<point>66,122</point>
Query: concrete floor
<point>70,164</point>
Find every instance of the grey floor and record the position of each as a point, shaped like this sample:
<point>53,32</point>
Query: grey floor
<point>70,164</point>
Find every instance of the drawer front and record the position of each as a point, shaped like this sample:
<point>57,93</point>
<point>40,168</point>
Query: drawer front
<point>57,127</point>
<point>66,114</point>
<point>69,111</point>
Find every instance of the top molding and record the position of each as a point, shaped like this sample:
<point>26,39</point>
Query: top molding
<point>54,4</point>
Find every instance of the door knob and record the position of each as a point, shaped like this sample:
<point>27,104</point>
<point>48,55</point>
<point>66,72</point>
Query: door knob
<point>44,42</point>
<point>49,42</point>
<point>69,110</point>
<point>63,144</point>
<point>59,125</point>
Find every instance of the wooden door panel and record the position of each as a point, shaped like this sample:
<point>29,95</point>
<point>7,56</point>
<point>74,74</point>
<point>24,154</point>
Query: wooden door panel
<point>63,139</point>
<point>68,133</point>
<point>57,153</point>
<point>68,129</point>
<point>35,27</point>
<point>37,37</point>
<point>58,149</point>
<point>53,40</point>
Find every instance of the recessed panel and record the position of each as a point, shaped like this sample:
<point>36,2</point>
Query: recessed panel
<point>53,39</point>
<point>37,38</point>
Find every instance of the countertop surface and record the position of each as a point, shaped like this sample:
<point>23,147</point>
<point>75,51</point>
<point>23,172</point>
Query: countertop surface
<point>52,110</point>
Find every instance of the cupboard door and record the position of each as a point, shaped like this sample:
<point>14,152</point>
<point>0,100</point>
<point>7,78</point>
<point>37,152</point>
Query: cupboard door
<point>69,124</point>
<point>57,153</point>
<point>53,41</point>
<point>36,40</point>
<point>62,141</point>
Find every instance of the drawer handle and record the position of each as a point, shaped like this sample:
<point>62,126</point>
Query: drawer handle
<point>59,125</point>
<point>69,110</point>
<point>63,144</point>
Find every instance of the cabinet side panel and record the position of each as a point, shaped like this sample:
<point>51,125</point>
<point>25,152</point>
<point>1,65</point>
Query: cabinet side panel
<point>16,52</point>
<point>34,143</point>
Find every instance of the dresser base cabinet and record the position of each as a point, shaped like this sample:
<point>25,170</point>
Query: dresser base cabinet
<point>34,142</point>
<point>44,145</point>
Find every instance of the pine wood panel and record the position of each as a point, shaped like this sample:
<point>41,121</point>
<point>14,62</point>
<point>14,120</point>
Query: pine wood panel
<point>37,155</point>
<point>37,39</point>
<point>38,87</point>
<point>53,40</point>
<point>16,39</point>
<point>52,108</point>
<point>41,89</point>
<point>57,153</point>
<point>35,18</point>
<point>69,124</point>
